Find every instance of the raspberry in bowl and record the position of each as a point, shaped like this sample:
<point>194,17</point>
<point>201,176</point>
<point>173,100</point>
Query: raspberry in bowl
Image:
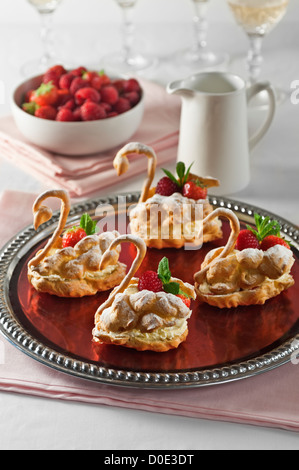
<point>77,112</point>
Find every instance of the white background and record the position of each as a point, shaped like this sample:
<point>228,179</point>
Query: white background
<point>101,11</point>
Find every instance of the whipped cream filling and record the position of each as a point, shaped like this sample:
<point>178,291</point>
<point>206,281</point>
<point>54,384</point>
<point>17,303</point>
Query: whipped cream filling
<point>169,217</point>
<point>88,275</point>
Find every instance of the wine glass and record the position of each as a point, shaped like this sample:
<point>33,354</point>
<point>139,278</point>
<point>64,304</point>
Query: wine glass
<point>127,60</point>
<point>258,18</point>
<point>45,9</point>
<point>199,55</point>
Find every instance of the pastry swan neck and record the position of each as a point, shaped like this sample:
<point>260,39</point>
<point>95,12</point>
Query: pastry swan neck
<point>43,213</point>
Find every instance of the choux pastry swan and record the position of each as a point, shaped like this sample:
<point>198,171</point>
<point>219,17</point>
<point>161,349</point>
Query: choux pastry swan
<point>169,215</point>
<point>145,313</point>
<point>250,269</point>
<point>69,265</point>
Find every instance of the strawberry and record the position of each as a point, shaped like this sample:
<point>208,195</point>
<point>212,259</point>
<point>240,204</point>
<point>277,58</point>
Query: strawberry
<point>272,240</point>
<point>195,190</point>
<point>65,115</point>
<point>46,112</point>
<point>164,186</point>
<point>72,236</point>
<point>30,108</point>
<point>91,111</point>
<point>186,300</point>
<point>45,94</point>
<point>109,94</point>
<point>87,93</point>
<point>149,280</point>
<point>167,187</point>
<point>266,235</point>
<point>246,239</point>
<point>89,75</point>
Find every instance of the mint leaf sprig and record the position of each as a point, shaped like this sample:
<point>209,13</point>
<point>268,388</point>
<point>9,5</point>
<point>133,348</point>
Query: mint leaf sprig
<point>266,227</point>
<point>164,275</point>
<point>88,224</point>
<point>182,174</point>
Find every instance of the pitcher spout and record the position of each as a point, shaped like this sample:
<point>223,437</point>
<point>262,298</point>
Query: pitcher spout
<point>177,87</point>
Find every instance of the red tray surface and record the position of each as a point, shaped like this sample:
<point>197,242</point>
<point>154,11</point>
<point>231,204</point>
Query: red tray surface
<point>217,337</point>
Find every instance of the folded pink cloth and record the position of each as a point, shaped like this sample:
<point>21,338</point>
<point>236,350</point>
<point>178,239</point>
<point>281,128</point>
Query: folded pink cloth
<point>269,399</point>
<point>85,175</point>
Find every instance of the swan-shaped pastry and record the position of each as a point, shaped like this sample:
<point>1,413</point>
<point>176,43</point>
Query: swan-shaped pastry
<point>230,277</point>
<point>168,221</point>
<point>72,271</point>
<point>138,317</point>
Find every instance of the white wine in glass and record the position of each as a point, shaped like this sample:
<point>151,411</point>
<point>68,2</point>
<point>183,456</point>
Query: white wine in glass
<point>199,55</point>
<point>127,59</point>
<point>258,18</point>
<point>45,9</point>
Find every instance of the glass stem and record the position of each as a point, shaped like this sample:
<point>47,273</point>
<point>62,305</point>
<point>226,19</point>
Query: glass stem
<point>200,25</point>
<point>46,36</point>
<point>127,31</point>
<point>254,58</point>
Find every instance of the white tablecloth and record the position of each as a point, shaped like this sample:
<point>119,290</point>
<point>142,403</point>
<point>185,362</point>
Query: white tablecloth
<point>33,423</point>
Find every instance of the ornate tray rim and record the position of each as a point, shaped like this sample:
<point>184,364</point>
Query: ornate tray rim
<point>15,333</point>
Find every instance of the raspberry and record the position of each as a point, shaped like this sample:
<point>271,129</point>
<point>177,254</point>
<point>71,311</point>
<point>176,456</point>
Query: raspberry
<point>51,76</point>
<point>186,300</point>
<point>57,69</point>
<point>72,237</point>
<point>77,114</point>
<point>166,187</point>
<point>63,96</point>
<point>272,240</point>
<point>112,114</point>
<point>65,114</point>
<point>246,239</point>
<point>100,80</point>
<point>131,85</point>
<point>194,190</point>
<point>70,104</point>
<point>122,105</point>
<point>46,112</point>
<point>65,80</point>
<point>79,71</point>
<point>132,96</point>
<point>109,94</point>
<point>150,281</point>
<point>87,93</point>
<point>77,83</point>
<point>91,111</point>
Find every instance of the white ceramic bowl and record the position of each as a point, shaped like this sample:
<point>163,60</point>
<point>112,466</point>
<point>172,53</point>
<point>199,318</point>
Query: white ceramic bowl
<point>74,138</point>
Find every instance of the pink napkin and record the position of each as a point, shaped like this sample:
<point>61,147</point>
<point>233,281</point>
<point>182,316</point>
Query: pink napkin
<point>84,175</point>
<point>269,399</point>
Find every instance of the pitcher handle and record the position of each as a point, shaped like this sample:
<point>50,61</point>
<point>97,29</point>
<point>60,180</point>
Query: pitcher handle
<point>253,91</point>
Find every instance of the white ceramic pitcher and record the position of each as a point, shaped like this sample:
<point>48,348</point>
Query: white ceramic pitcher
<point>214,126</point>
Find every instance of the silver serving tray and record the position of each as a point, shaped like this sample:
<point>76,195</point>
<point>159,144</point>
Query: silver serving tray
<point>12,329</point>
